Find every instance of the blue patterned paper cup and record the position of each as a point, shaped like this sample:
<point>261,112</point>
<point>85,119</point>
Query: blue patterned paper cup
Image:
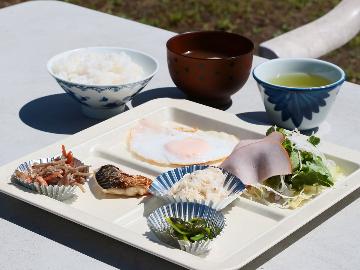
<point>60,193</point>
<point>162,184</point>
<point>296,107</point>
<point>186,211</point>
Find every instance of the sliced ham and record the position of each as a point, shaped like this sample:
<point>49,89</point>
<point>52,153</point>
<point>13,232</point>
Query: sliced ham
<point>274,136</point>
<point>254,161</point>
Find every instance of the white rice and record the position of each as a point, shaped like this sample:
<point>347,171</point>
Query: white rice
<point>94,68</point>
<point>200,185</point>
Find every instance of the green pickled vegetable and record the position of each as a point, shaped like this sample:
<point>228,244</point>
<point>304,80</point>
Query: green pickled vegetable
<point>196,229</point>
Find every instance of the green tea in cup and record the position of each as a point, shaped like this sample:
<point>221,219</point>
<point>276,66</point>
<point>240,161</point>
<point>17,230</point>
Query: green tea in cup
<point>301,80</point>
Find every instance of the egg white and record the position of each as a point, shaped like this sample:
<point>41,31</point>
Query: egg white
<point>148,142</point>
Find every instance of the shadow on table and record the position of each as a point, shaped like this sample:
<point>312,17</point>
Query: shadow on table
<point>55,114</point>
<point>292,238</point>
<point>257,117</point>
<point>261,118</point>
<point>119,255</point>
<point>76,237</point>
<point>164,92</point>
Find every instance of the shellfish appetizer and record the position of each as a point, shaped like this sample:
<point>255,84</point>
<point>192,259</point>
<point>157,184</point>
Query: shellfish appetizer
<point>56,177</point>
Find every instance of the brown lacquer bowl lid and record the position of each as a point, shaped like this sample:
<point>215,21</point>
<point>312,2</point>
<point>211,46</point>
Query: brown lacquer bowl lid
<point>209,66</point>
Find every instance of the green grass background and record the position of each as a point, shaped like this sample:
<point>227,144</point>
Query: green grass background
<point>259,20</point>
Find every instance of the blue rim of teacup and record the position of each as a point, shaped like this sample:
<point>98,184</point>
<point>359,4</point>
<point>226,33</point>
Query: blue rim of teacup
<point>163,183</point>
<point>62,54</point>
<point>287,88</point>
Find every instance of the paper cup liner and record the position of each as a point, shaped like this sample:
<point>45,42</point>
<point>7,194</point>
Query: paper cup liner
<point>186,211</point>
<point>60,193</point>
<point>162,184</point>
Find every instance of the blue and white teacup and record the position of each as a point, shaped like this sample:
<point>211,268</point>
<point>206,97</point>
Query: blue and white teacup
<point>296,107</point>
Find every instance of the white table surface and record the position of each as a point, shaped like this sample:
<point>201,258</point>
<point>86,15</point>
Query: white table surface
<point>35,112</point>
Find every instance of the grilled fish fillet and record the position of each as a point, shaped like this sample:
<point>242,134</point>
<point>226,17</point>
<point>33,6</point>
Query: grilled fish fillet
<point>114,181</point>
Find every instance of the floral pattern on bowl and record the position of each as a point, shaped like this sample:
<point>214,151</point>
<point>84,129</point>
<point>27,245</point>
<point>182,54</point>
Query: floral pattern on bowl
<point>298,107</point>
<point>103,97</point>
<point>295,107</point>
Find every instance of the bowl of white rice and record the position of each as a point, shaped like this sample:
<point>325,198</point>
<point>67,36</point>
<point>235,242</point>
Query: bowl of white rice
<point>102,79</point>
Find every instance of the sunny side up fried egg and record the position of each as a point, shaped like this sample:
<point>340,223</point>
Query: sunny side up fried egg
<point>169,145</point>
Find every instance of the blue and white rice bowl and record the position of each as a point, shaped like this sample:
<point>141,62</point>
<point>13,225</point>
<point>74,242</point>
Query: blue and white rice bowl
<point>104,101</point>
<point>164,182</point>
<point>57,192</point>
<point>186,211</point>
<point>296,107</point>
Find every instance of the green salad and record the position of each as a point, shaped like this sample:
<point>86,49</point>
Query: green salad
<point>312,172</point>
<point>196,229</point>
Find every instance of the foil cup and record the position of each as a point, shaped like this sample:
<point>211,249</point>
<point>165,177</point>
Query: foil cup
<point>186,211</point>
<point>162,184</point>
<point>60,193</point>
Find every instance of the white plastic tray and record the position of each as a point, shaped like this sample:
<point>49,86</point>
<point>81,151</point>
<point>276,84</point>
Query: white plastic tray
<point>251,228</point>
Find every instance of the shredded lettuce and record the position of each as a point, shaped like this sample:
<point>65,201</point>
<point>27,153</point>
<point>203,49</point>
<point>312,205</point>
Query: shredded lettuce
<point>311,173</point>
<point>314,140</point>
